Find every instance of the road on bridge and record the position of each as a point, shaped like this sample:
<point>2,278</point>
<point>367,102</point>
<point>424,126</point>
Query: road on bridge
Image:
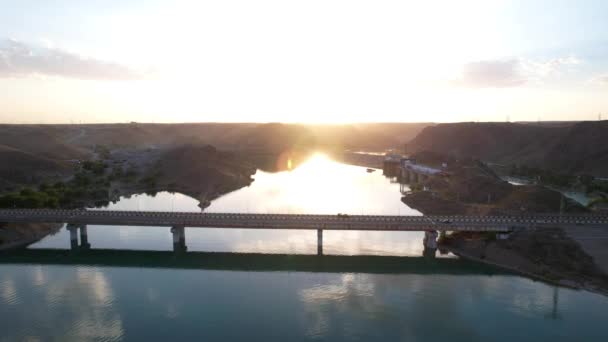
<point>298,221</point>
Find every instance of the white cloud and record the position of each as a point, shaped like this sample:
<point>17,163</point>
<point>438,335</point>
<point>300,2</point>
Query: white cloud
<point>18,59</point>
<point>511,72</point>
<point>537,70</point>
<point>600,80</point>
<point>491,74</point>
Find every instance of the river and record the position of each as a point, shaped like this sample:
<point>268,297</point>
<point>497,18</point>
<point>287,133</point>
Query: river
<point>269,295</point>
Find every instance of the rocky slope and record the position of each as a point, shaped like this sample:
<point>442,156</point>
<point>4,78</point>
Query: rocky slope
<point>202,172</point>
<point>30,154</point>
<point>20,167</point>
<point>574,148</point>
<point>548,254</point>
<point>470,187</point>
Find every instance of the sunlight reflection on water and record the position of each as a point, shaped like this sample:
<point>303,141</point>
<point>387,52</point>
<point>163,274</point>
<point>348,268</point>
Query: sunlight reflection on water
<point>317,186</point>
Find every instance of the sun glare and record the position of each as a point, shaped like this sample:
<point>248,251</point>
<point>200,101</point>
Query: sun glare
<point>314,179</point>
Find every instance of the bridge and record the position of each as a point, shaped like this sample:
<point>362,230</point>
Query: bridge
<point>79,219</point>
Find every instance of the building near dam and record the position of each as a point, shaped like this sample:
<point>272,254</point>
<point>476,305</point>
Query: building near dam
<point>408,170</point>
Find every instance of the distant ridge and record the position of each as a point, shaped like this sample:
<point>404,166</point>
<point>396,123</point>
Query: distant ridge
<point>69,141</point>
<point>570,148</point>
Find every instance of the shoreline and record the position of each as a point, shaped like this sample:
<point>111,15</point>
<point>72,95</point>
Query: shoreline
<point>535,254</point>
<point>20,244</point>
<point>22,235</point>
<point>535,277</point>
<point>567,264</point>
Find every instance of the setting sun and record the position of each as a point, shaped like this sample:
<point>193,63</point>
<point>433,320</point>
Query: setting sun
<point>303,170</point>
<point>314,62</point>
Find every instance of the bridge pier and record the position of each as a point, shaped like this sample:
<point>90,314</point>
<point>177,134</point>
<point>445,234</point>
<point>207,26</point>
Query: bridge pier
<point>73,229</point>
<point>179,238</point>
<point>84,238</point>
<point>430,239</point>
<point>319,241</point>
<point>429,253</point>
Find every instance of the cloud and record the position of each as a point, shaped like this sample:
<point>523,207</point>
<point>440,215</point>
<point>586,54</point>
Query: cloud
<point>600,80</point>
<point>538,70</point>
<point>491,74</point>
<point>18,59</point>
<point>510,72</point>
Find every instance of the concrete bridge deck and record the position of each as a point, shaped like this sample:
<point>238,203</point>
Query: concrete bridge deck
<point>78,220</point>
<point>296,221</point>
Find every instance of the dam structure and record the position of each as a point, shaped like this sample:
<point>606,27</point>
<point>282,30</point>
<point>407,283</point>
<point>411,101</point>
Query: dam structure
<point>78,220</point>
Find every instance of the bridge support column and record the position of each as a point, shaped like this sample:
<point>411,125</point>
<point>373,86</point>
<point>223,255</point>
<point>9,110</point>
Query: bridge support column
<point>430,239</point>
<point>84,238</point>
<point>430,244</point>
<point>319,241</point>
<point>182,238</point>
<point>73,229</point>
<point>179,238</point>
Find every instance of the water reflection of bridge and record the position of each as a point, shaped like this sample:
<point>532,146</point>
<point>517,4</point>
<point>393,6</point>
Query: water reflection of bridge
<point>249,261</point>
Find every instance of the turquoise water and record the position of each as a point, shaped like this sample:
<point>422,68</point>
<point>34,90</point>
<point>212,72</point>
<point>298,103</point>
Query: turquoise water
<point>130,287</point>
<point>105,303</point>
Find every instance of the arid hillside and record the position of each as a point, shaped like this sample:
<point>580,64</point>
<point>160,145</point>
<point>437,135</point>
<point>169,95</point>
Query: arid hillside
<point>574,148</point>
<point>31,153</point>
<point>202,172</point>
<point>67,141</point>
<point>17,166</point>
<point>470,187</point>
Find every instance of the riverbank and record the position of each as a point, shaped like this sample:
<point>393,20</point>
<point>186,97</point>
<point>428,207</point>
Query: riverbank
<point>201,172</point>
<point>547,254</point>
<point>19,235</point>
<point>555,255</point>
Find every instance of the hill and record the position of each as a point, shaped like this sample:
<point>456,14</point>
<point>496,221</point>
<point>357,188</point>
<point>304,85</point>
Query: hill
<point>470,187</point>
<point>34,153</point>
<point>575,148</point>
<point>71,141</point>
<point>202,172</point>
<point>47,141</point>
<point>19,167</point>
<point>30,153</point>
<point>582,149</point>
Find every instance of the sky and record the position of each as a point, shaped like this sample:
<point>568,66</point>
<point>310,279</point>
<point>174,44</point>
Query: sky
<point>327,61</point>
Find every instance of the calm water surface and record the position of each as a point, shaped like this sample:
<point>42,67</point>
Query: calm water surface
<point>41,301</point>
